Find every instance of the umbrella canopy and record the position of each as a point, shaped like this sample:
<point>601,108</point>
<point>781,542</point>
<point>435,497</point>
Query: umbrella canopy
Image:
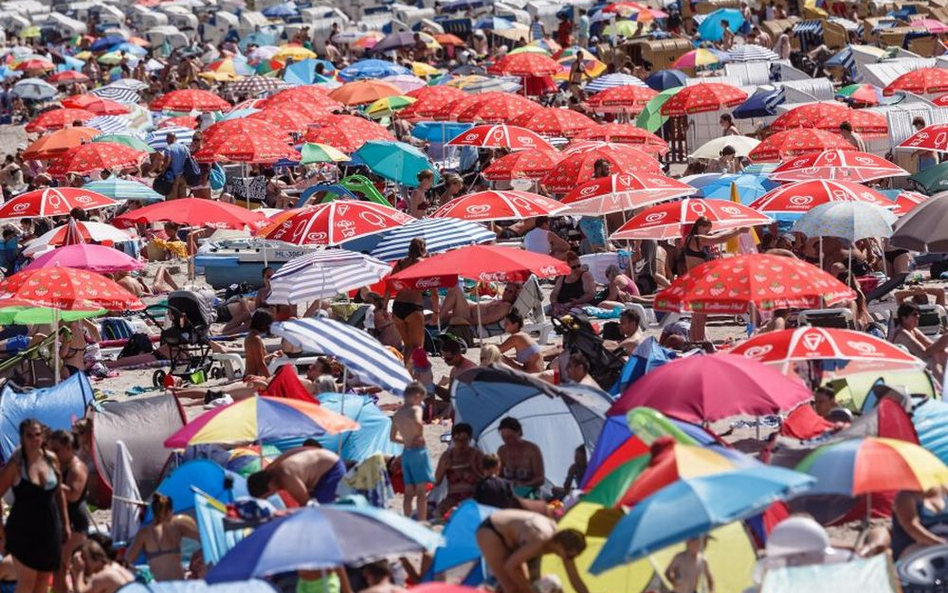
<point>579,164</point>
<point>873,464</point>
<point>487,263</point>
<point>77,232</point>
<point>440,235</point>
<point>527,164</point>
<point>333,223</point>
<point>349,535</point>
<point>97,258</point>
<point>790,143</point>
<point>95,104</point>
<point>313,152</point>
<point>294,52</point>
<point>192,212</point>
<point>699,59</point>
<point>675,219</point>
<point>500,136</point>
<point>397,161</point>
<point>801,196</point>
<point>821,343</point>
<point>497,107</point>
<point>742,146</point>
<point>768,282</point>
<point>699,98</point>
<point>56,119</point>
<point>712,27</point>
<point>127,139</point>
<point>662,80</point>
<point>246,148</point>
<point>364,69</point>
<point>749,187</point>
<point>406,82</point>
<point>364,356</point>
<point>189,100</point>
<point>387,106</point>
<point>807,116</point>
<point>363,92</point>
<point>624,134</point>
<point>848,165</point>
<point>865,94</point>
<point>324,274</point>
<point>283,117</point>
<point>25,312</point>
<point>124,189</point>
<point>67,77</point>
<point>922,228</point>
<point>906,201</point>
<point>554,122</point>
<point>921,82</point>
<point>499,205</point>
<point>749,52</point>
<point>70,289</point>
<point>346,137</point>
<point>852,221</point>
<point>53,202</point>
<point>609,81</point>
<point>623,191</point>
<point>525,64</point>
<point>264,419</point>
<point>256,85</point>
<point>56,143</point>
<point>34,89</point>
<point>712,501</point>
<point>95,156</point>
<point>933,137</point>
<point>931,180</point>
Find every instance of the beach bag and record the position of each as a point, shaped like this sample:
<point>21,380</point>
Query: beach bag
<point>192,171</point>
<point>137,344</point>
<point>163,183</point>
<point>218,177</point>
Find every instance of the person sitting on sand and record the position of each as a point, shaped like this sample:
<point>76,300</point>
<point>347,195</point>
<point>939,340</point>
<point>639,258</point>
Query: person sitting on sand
<point>528,357</point>
<point>512,541</point>
<point>254,348</point>
<point>460,465</point>
<point>451,354</point>
<point>521,462</point>
<point>919,520</point>
<point>303,472</point>
<point>160,540</point>
<point>457,310</point>
<point>94,572</point>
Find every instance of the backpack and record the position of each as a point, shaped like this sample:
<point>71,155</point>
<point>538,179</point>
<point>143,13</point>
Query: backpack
<point>137,344</point>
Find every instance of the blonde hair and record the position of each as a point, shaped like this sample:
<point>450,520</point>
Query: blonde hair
<point>490,354</point>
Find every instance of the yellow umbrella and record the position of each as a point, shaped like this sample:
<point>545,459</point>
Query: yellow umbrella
<point>423,70</point>
<point>624,28</point>
<point>83,55</point>
<point>30,32</point>
<point>386,106</point>
<point>297,52</point>
<point>220,76</point>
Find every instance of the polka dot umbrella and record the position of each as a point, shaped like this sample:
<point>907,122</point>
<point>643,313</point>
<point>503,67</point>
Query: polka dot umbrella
<point>95,156</point>
<point>56,119</point>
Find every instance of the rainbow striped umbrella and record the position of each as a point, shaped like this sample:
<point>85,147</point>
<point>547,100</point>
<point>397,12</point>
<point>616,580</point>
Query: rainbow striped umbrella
<point>863,466</point>
<point>700,58</point>
<point>260,419</point>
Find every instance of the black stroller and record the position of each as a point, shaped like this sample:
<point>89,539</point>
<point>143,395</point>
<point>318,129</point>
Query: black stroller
<point>579,336</point>
<point>184,337</point>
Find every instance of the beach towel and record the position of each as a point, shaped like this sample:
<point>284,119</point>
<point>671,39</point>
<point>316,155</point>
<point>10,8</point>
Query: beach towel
<point>287,384</point>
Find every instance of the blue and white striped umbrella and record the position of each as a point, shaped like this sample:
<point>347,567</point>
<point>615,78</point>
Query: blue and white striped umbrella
<point>156,139</point>
<point>124,189</point>
<point>611,81</point>
<point>117,94</point>
<point>751,53</point>
<point>324,274</point>
<point>364,356</point>
<point>440,234</point>
<point>108,124</point>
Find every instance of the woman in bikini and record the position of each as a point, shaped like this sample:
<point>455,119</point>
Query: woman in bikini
<point>521,462</point>
<point>461,465</point>
<point>64,445</point>
<point>513,541</point>
<point>527,354</point>
<point>408,310</point>
<point>160,541</point>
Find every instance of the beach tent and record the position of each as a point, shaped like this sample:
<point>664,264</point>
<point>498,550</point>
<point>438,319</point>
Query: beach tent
<point>206,476</point>
<point>557,418</point>
<point>647,356</point>
<point>251,586</point>
<point>931,424</point>
<point>216,541</point>
<point>126,518</point>
<point>56,407</point>
<point>888,420</point>
<point>851,390</point>
<point>730,554</point>
<point>460,547</point>
<point>860,575</point>
<point>142,424</point>
<point>373,434</point>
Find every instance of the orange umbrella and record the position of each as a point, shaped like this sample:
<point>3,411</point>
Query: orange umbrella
<point>55,143</point>
<point>363,92</point>
<point>448,39</point>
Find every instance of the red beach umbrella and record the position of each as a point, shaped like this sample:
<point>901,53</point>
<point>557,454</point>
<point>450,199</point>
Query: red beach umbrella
<point>554,122</point>
<point>921,82</point>
<point>95,156</point>
<point>58,201</point>
<point>821,343</point>
<point>526,64</point>
<point>630,99</point>
<point>500,136</point>
<point>499,205</point>
<point>189,100</point>
<point>192,212</point>
<point>56,119</point>
<point>801,196</point>
<point>69,288</point>
<point>674,219</point>
<point>790,143</point>
<point>525,164</point>
<point>333,223</point>
<point>624,191</point>
<point>846,165</point>
<point>579,165</point>
<point>699,98</point>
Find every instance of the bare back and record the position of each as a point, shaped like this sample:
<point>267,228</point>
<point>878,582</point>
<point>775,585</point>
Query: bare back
<point>309,464</point>
<point>409,423</point>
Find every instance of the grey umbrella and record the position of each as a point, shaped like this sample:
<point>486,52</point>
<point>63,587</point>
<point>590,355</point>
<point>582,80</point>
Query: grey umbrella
<point>925,227</point>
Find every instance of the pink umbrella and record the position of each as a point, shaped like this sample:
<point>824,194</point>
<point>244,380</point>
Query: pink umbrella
<point>85,256</point>
<point>690,389</point>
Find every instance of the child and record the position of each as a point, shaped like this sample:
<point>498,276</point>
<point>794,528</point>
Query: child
<point>687,568</point>
<point>493,490</point>
<point>408,430</point>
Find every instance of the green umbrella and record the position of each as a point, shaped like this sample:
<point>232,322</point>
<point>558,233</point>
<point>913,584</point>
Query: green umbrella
<point>313,152</point>
<point>932,180</point>
<point>25,313</point>
<point>126,139</point>
<point>651,118</point>
<point>124,189</point>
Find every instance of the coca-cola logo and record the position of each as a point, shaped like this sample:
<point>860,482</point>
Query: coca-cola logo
<point>547,271</point>
<point>428,282</point>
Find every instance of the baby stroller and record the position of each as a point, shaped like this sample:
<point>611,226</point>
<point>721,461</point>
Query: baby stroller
<point>184,336</point>
<point>579,336</point>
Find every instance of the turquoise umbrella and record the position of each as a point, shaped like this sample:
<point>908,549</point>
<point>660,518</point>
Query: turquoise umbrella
<point>124,189</point>
<point>711,27</point>
<point>396,161</point>
<point>692,507</point>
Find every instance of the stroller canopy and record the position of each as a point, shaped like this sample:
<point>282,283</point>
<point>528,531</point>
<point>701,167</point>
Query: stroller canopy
<point>557,418</point>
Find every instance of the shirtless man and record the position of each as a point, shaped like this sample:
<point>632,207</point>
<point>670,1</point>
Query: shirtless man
<point>451,353</point>
<point>304,472</point>
<point>513,540</point>
<point>379,577</point>
<point>94,572</point>
<point>457,310</point>
<point>408,430</point>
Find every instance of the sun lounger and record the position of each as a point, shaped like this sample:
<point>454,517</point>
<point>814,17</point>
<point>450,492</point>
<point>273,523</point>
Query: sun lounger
<point>932,319</point>
<point>832,318</point>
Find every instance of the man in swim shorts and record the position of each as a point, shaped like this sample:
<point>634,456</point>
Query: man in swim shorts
<point>304,472</point>
<point>408,430</point>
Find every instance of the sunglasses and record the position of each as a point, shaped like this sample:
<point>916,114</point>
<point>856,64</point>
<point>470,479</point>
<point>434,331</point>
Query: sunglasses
<point>576,267</point>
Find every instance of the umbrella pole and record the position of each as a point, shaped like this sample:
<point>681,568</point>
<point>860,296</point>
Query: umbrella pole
<point>56,346</point>
<point>342,405</point>
<point>821,252</point>
<point>480,326</point>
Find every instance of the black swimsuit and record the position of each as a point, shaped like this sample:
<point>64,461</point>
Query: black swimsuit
<point>404,310</point>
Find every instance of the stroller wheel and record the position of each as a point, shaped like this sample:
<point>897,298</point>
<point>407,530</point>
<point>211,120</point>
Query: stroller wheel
<point>217,373</point>
<point>158,378</point>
